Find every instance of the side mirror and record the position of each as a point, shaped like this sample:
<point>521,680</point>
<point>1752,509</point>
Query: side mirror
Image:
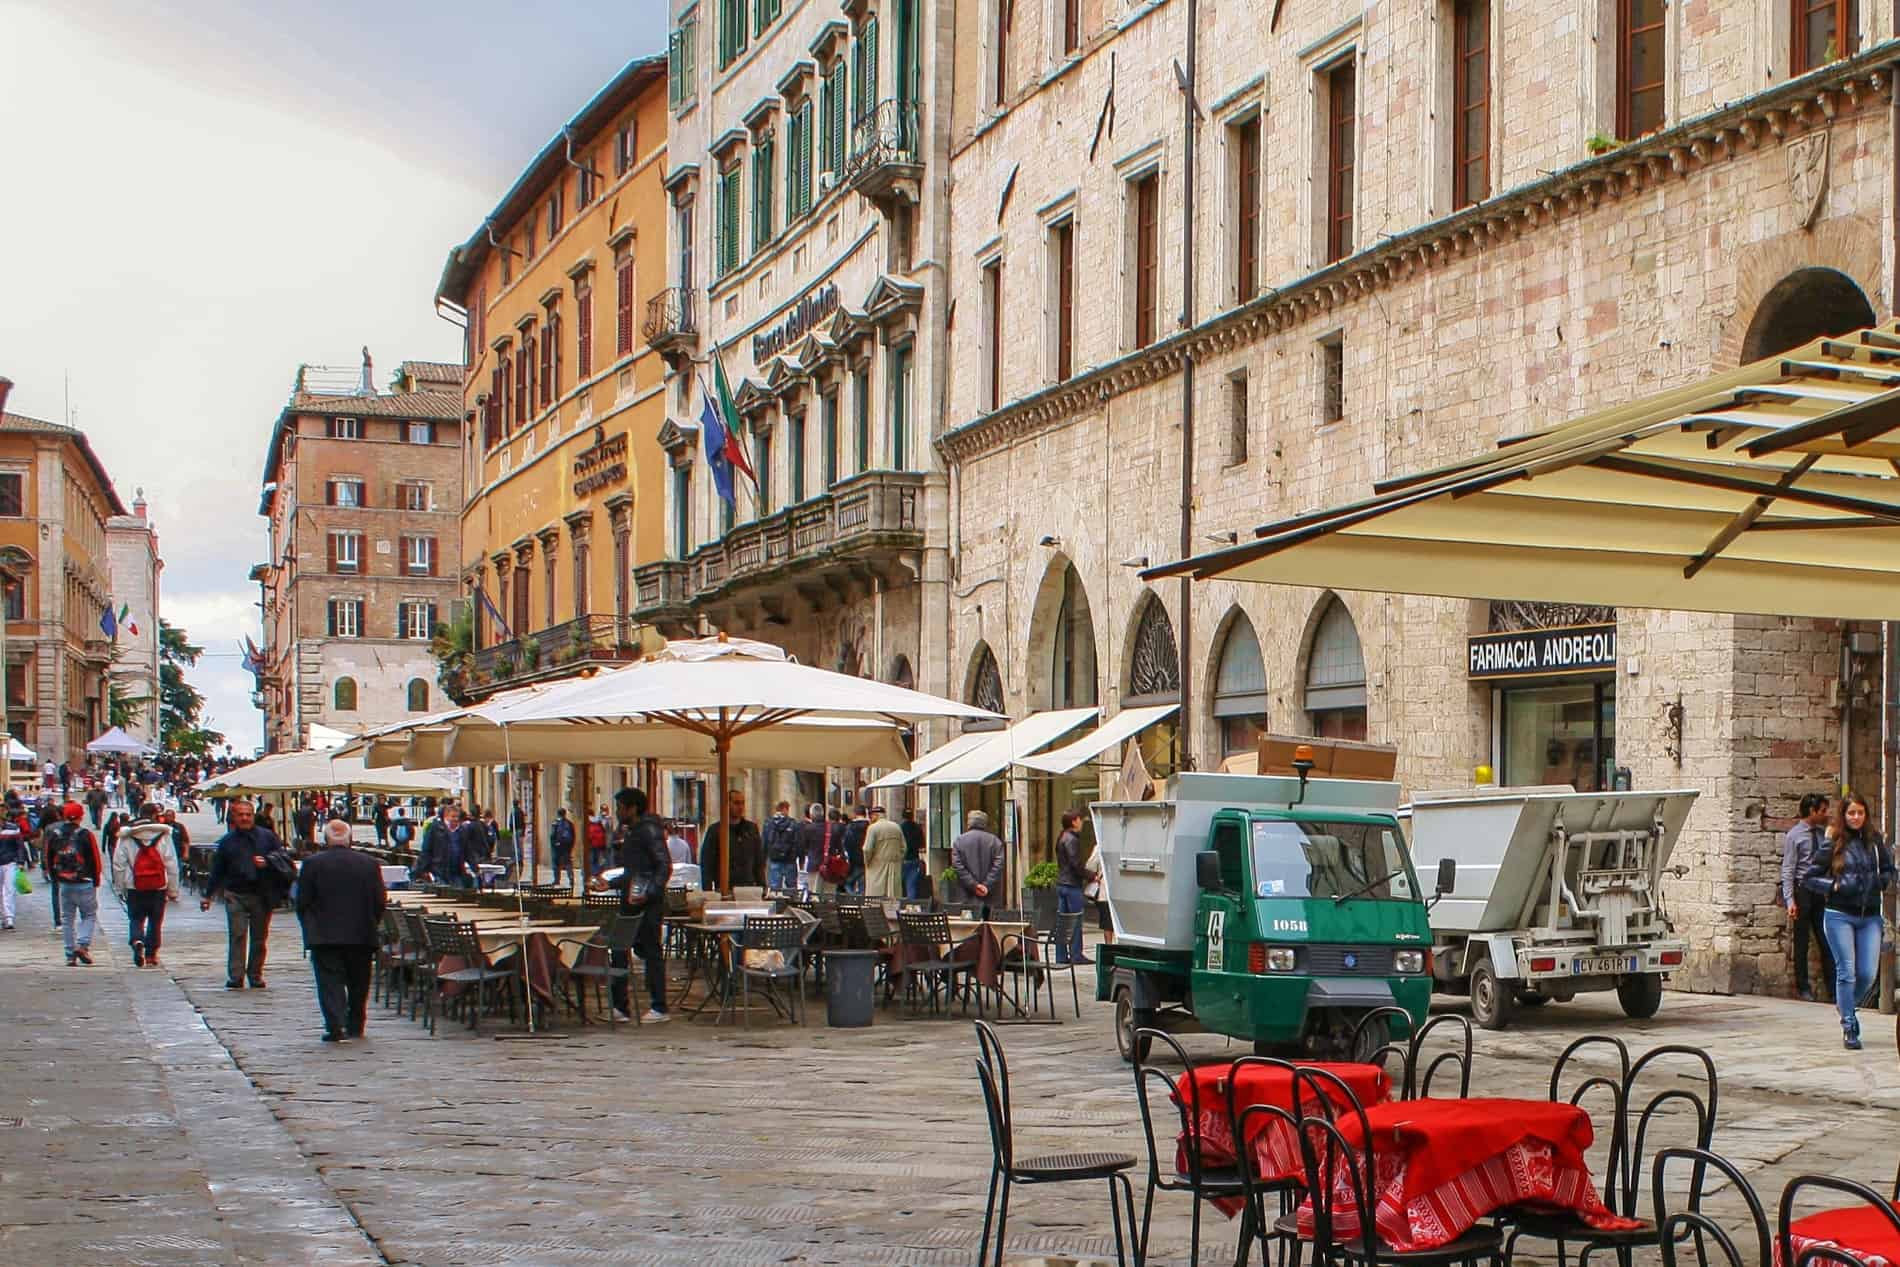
<point>1447,876</point>
<point>1207,869</point>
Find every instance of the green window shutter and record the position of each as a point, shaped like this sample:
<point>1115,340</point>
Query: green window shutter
<point>689,57</point>
<point>870,65</point>
<point>840,129</point>
<point>804,156</point>
<point>732,218</point>
<point>673,68</point>
<point>825,124</point>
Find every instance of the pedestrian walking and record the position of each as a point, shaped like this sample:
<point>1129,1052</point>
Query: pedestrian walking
<point>597,844</point>
<point>241,876</point>
<point>561,845</point>
<point>340,901</point>
<point>854,833</point>
<point>1851,870</point>
<point>380,819</point>
<point>1071,879</point>
<point>781,850</point>
<point>303,826</point>
<point>74,867</point>
<point>883,856</point>
<point>645,868</point>
<point>96,804</point>
<point>1806,910</point>
<point>15,845</point>
<point>65,779</point>
<point>812,834</point>
<point>977,858</point>
<point>913,854</point>
<point>145,876</point>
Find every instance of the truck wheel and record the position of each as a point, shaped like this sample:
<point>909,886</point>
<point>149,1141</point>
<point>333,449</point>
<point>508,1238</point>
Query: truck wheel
<point>1128,1019</point>
<point>1491,1000</point>
<point>1640,996</point>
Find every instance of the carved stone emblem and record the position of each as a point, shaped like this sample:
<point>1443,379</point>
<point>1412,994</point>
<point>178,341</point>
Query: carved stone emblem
<point>1807,174</point>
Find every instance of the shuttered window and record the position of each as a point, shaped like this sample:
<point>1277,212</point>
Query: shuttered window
<point>548,339</point>
<point>798,146</point>
<point>1471,94</point>
<point>530,370</point>
<point>1147,217</point>
<point>623,303</point>
<point>346,551</point>
<point>1640,70</point>
<point>729,219</point>
<point>865,70</point>
<point>1341,107</point>
<point>762,187</point>
<point>553,343</point>
<point>345,620</point>
<point>1247,207</point>
<point>1064,252</point>
<point>584,326</point>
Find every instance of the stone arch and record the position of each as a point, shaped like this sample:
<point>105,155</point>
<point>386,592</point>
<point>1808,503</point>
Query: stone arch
<point>1807,304</point>
<point>1062,650</point>
<point>983,684</point>
<point>1238,707</point>
<point>343,695</point>
<point>1849,245</point>
<point>902,674</point>
<point>1151,657</point>
<point>1332,672</point>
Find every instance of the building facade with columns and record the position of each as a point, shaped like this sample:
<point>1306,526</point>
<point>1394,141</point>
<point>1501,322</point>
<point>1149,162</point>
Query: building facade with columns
<point>808,227</point>
<point>1212,273</point>
<point>132,551</point>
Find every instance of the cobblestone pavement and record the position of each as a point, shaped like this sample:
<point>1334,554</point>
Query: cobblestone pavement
<point>165,1120</point>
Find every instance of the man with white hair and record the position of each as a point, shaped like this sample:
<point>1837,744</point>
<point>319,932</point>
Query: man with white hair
<point>340,901</point>
<point>977,856</point>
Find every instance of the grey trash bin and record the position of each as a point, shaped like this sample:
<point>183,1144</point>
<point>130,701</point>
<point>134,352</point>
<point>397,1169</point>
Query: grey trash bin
<point>850,976</point>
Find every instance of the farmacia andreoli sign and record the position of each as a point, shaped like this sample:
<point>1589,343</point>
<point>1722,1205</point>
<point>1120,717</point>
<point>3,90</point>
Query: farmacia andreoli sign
<point>1542,652</point>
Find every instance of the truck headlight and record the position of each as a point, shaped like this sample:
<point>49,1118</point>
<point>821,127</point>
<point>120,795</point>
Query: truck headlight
<point>1281,959</point>
<point>1409,961</point>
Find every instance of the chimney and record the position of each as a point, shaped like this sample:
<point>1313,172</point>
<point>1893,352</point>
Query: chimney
<point>368,386</point>
<point>138,504</point>
<point>6,385</point>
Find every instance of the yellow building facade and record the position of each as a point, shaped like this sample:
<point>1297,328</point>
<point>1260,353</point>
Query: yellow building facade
<point>563,403</point>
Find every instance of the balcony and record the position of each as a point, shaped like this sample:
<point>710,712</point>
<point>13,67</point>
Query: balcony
<point>550,653</point>
<point>886,160</point>
<point>820,549</point>
<point>671,327</point>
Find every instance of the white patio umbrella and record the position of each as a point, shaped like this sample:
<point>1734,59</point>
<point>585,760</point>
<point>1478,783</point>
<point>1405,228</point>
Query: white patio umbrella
<point>323,770</point>
<point>116,743</point>
<point>703,699</point>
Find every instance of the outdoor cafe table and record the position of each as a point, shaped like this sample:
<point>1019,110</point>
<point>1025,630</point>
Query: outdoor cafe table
<point>1445,1164</point>
<point>1859,1230</point>
<point>1273,1147</point>
<point>977,941</point>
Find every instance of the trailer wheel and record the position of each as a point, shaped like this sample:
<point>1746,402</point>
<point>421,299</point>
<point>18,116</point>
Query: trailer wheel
<point>1128,1019</point>
<point>1491,1000</point>
<point>1640,996</point>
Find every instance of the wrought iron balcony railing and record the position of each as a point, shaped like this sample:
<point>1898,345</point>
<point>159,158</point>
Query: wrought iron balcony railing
<point>671,317</point>
<point>885,143</point>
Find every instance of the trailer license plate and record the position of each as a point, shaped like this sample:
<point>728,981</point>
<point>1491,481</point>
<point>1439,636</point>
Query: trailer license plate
<point>1603,965</point>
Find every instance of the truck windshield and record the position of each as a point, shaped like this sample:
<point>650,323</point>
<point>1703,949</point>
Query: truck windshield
<point>1325,859</point>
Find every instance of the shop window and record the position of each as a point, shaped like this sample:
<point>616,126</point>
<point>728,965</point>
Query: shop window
<point>1336,677</point>
<point>1559,734</point>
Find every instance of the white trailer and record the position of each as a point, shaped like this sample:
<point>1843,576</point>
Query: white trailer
<point>1558,894</point>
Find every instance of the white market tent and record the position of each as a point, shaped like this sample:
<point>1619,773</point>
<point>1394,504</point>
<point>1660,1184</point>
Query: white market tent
<point>116,743</point>
<point>323,770</point>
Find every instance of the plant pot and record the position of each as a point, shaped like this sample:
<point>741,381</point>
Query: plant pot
<point>1039,908</point>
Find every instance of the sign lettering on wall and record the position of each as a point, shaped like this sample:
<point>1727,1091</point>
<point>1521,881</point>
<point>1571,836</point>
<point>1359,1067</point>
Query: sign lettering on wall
<point>808,311</point>
<point>601,463</point>
<point>1541,652</point>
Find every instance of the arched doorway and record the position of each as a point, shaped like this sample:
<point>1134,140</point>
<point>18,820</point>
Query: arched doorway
<point>1239,706</point>
<point>1153,676</point>
<point>1061,650</point>
<point>1336,676</point>
<point>1807,304</point>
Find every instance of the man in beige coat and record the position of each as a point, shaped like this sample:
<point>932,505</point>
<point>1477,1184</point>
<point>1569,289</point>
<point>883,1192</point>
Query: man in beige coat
<point>883,856</point>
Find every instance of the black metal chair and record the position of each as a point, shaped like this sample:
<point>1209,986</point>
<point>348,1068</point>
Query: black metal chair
<point>1784,1220</point>
<point>1201,1181</point>
<point>604,959</point>
<point>1256,1225</point>
<point>449,938</point>
<point>1673,1226</point>
<point>420,987</point>
<point>929,959</point>
<point>394,958</point>
<point>1372,1042</point>
<point>992,1072</point>
<point>764,936</point>
<point>1421,1072</point>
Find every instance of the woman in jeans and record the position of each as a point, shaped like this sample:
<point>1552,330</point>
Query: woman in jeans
<point>1851,870</point>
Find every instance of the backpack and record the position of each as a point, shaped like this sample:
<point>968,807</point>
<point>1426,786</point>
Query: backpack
<point>148,868</point>
<point>781,838</point>
<point>67,863</point>
<point>836,864</point>
<point>596,834</point>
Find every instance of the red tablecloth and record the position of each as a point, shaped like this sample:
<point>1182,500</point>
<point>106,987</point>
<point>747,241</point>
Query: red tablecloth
<point>1275,1150</point>
<point>1445,1164</point>
<point>1860,1230</point>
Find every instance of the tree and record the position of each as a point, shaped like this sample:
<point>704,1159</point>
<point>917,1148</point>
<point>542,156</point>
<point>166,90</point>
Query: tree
<point>179,703</point>
<point>122,709</point>
<point>453,646</point>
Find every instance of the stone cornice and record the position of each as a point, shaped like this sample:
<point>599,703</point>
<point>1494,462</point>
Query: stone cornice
<point>1814,100</point>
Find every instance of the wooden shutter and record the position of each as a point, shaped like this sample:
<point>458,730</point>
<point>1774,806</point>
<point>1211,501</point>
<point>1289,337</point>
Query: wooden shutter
<point>329,617</point>
<point>1065,300</point>
<point>840,77</point>
<point>429,550</point>
<point>804,157</point>
<point>623,305</point>
<point>584,327</point>
<point>762,193</point>
<point>1247,245</point>
<point>1147,257</point>
<point>554,354</point>
<point>329,492</point>
<point>1342,107</point>
<point>330,548</point>
<point>547,365</point>
<point>1471,110</point>
<point>432,620</point>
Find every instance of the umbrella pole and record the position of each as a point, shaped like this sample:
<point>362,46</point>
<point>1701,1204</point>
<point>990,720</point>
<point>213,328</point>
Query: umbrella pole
<point>521,909</point>
<point>722,744</point>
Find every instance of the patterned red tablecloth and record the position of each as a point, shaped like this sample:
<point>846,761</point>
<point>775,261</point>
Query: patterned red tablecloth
<point>1861,1230</point>
<point>1275,1149</point>
<point>1445,1164</point>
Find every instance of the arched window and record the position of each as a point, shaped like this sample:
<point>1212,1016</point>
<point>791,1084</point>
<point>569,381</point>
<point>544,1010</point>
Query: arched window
<point>1072,684</point>
<point>343,696</point>
<point>1807,304</point>
<point>901,674</point>
<point>1154,663</point>
<point>986,681</point>
<point>1240,689</point>
<point>1336,677</point>
<point>418,695</point>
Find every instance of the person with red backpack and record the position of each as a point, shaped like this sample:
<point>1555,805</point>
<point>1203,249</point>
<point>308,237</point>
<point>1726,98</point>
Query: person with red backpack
<point>145,876</point>
<point>74,867</point>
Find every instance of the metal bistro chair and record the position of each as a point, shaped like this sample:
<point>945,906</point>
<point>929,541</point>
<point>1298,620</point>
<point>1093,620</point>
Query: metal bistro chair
<point>1284,1226</point>
<point>760,935</point>
<point>451,937</point>
<point>1675,1226</point>
<point>879,936</point>
<point>1201,1181</point>
<point>1005,1169</point>
<point>420,988</point>
<point>1420,1072</point>
<point>394,957</point>
<point>928,937</point>
<point>1784,1221</point>
<point>1373,1043</point>
<point>596,964</point>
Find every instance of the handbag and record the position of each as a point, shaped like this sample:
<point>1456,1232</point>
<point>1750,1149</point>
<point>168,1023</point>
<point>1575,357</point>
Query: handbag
<point>21,884</point>
<point>639,890</point>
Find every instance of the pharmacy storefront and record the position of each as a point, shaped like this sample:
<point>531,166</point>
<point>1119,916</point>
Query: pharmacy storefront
<point>1553,703</point>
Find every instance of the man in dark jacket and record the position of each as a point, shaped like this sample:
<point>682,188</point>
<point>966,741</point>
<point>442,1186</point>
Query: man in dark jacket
<point>913,855</point>
<point>467,845</point>
<point>646,865</point>
<point>340,902</point>
<point>977,857</point>
<point>748,852</point>
<point>854,848</point>
<point>780,839</point>
<point>561,845</point>
<point>237,875</point>
<point>303,826</point>
<point>811,843</point>
<point>1071,879</point>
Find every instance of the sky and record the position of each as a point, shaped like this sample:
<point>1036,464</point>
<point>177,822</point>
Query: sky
<point>197,196</point>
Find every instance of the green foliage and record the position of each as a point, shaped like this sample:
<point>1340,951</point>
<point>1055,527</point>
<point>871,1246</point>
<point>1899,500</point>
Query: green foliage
<point>1041,876</point>
<point>947,877</point>
<point>453,646</point>
<point>179,703</point>
<point>1601,142</point>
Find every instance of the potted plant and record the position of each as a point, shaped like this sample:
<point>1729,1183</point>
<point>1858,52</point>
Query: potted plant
<point>1039,896</point>
<point>949,888</point>
<point>530,655</point>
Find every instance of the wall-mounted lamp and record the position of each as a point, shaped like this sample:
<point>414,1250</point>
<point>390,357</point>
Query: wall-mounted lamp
<point>1222,538</point>
<point>1053,542</point>
<point>1139,561</point>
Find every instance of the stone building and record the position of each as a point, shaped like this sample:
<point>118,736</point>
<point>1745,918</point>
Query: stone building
<point>132,551</point>
<point>808,239</point>
<point>563,475</point>
<point>1401,249</point>
<point>362,490</point>
<point>55,502</point>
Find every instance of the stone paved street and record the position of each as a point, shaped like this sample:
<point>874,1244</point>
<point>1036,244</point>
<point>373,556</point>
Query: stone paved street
<point>164,1120</point>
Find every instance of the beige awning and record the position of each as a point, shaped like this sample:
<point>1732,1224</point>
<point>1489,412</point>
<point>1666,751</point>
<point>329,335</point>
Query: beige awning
<point>1002,748</point>
<point>1773,488</point>
<point>938,756</point>
<point>1109,735</point>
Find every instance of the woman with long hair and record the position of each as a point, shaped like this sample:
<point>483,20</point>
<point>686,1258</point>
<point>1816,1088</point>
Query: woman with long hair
<point>1852,868</point>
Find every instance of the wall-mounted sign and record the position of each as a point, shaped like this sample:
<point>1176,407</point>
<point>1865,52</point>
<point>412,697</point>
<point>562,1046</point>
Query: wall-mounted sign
<point>601,463</point>
<point>1542,652</point>
<point>810,309</point>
